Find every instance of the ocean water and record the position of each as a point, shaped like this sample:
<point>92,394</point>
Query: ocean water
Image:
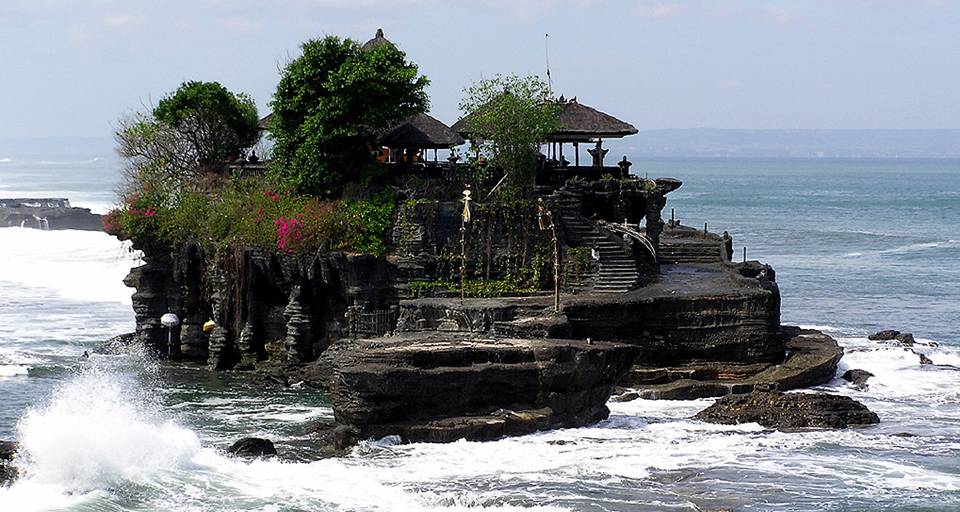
<point>858,246</point>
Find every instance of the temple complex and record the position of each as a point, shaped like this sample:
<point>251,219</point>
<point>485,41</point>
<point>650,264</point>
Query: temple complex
<point>539,308</point>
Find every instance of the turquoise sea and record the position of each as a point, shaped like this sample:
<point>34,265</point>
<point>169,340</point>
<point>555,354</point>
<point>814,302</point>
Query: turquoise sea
<point>858,245</point>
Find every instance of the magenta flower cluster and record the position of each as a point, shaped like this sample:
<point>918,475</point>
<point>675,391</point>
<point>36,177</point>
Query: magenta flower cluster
<point>289,233</point>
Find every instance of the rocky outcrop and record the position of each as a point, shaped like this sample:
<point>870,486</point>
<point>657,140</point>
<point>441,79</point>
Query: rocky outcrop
<point>256,298</point>
<point>857,377</point>
<point>811,359</point>
<point>688,313</point>
<point>47,213</point>
<point>252,447</point>
<point>904,338</point>
<point>789,411</point>
<point>441,387</point>
<point>8,453</point>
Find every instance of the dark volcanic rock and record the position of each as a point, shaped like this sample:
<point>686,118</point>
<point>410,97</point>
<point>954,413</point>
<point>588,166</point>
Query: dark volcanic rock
<point>789,410</point>
<point>857,377</point>
<point>442,387</point>
<point>811,359</point>
<point>924,360</point>
<point>252,447</point>
<point>47,214</point>
<point>117,344</point>
<point>885,335</point>
<point>905,338</point>
<point>8,472</point>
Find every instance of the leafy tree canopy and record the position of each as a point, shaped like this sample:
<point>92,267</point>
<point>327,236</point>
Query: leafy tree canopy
<point>508,117</point>
<point>217,122</point>
<point>330,104</point>
<point>199,125</point>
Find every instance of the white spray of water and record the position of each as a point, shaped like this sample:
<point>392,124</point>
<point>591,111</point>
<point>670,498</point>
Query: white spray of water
<point>100,429</point>
<point>82,265</point>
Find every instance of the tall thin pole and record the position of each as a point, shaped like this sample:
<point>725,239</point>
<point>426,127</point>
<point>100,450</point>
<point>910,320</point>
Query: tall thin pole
<point>546,48</point>
<point>545,220</point>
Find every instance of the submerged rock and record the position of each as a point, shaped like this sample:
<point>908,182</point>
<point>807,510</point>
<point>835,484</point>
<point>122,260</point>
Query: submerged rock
<point>442,387</point>
<point>924,360</point>
<point>789,410</point>
<point>8,472</point>
<point>252,447</point>
<point>117,344</point>
<point>857,377</point>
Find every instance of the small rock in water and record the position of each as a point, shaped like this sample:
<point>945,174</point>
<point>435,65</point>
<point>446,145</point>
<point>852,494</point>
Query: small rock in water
<point>626,397</point>
<point>252,447</point>
<point>905,338</point>
<point>885,335</point>
<point>924,360</point>
<point>8,472</point>
<point>857,377</point>
<point>789,410</point>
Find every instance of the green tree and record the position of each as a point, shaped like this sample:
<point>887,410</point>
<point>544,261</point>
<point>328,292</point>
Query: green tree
<point>508,117</point>
<point>215,122</point>
<point>199,125</point>
<point>330,104</point>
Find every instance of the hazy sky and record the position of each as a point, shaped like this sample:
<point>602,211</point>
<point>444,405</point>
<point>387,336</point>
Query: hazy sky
<point>71,67</point>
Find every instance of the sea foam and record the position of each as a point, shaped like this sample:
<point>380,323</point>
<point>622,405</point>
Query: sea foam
<point>82,265</point>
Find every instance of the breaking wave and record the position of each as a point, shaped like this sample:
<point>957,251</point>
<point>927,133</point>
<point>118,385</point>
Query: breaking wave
<point>82,265</point>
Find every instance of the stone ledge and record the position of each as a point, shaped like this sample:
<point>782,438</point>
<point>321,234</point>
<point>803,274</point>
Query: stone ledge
<point>811,360</point>
<point>439,387</point>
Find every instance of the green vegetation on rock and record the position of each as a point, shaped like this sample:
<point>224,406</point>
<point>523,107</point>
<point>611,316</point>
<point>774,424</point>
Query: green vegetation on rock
<point>508,117</point>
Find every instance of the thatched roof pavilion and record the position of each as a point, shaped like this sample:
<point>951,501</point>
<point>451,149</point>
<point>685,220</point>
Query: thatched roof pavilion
<point>264,124</point>
<point>421,131</point>
<point>377,40</point>
<point>581,123</point>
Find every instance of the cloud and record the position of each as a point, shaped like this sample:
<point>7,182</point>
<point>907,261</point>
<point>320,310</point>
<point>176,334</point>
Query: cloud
<point>728,84</point>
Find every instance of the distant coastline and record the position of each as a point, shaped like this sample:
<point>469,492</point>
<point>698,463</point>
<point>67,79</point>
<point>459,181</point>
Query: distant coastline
<point>735,143</point>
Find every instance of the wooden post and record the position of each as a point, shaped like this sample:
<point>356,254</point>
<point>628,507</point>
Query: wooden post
<point>576,152</point>
<point>463,260</point>
<point>744,253</point>
<point>704,229</point>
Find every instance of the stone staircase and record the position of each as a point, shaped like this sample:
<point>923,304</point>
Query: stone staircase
<point>618,266</point>
<point>687,250</point>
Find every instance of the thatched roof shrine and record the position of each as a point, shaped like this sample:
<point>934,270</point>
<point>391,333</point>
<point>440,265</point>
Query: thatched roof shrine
<point>264,124</point>
<point>580,123</point>
<point>423,132</point>
<point>377,40</point>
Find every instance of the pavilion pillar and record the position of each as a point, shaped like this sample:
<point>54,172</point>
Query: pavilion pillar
<point>576,153</point>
